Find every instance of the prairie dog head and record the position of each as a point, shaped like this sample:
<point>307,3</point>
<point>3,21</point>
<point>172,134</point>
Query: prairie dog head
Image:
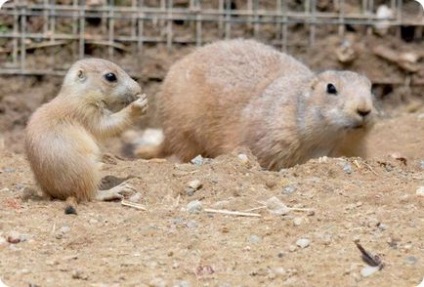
<point>343,100</point>
<point>100,82</point>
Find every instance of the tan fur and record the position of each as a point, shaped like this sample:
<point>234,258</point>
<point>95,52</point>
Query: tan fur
<point>62,136</point>
<point>242,93</point>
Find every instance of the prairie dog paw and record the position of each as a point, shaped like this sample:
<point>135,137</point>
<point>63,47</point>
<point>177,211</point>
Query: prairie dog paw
<point>140,105</point>
<point>116,192</point>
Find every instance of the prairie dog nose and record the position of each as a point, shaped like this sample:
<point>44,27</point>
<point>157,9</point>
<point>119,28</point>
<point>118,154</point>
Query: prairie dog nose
<point>363,112</point>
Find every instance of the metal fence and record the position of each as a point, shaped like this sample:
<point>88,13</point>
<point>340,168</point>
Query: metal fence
<point>68,30</point>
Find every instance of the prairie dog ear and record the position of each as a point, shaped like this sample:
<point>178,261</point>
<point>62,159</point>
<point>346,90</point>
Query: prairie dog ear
<point>81,76</point>
<point>314,82</point>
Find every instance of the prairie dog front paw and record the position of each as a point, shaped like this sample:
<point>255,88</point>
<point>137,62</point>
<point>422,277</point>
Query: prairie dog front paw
<point>140,105</point>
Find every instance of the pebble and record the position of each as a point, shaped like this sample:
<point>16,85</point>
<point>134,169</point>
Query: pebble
<point>198,160</point>
<point>347,168</point>
<point>182,284</point>
<point>292,248</point>
<point>9,170</point>
<point>369,270</point>
<point>254,239</point>
<point>323,159</point>
<point>297,221</point>
<point>276,206</point>
<point>4,190</point>
<point>303,242</point>
<point>243,158</point>
<point>192,224</point>
<point>193,186</point>
<point>62,231</point>
<point>382,226</point>
<point>326,238</point>
<point>277,272</point>
<point>157,282</point>
<point>411,260</point>
<point>194,206</point>
<point>78,274</point>
<point>420,191</point>
<point>21,272</point>
<point>289,189</point>
<point>136,197</point>
<point>14,237</point>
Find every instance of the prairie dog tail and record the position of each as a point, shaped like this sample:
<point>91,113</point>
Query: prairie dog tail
<point>150,151</point>
<point>146,144</point>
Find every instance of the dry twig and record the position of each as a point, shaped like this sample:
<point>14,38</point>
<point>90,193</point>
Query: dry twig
<point>133,204</point>
<point>228,212</point>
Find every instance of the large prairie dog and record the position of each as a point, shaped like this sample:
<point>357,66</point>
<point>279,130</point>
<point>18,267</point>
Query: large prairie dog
<point>243,93</point>
<point>97,100</point>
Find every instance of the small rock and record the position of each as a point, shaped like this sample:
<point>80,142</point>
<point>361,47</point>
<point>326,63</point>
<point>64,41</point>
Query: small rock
<point>254,239</point>
<point>276,206</point>
<point>4,190</point>
<point>303,242</point>
<point>369,270</point>
<point>411,260</point>
<point>323,159</point>
<point>347,168</point>
<point>157,282</point>
<point>14,237</point>
<point>192,224</point>
<point>93,221</point>
<point>292,248</point>
<point>243,158</point>
<point>198,160</point>
<point>9,170</point>
<point>289,189</point>
<point>62,231</point>
<point>51,263</point>
<point>382,226</point>
<point>78,274</point>
<point>21,272</point>
<point>193,186</point>
<point>297,221</point>
<point>194,206</point>
<point>279,271</point>
<point>420,191</point>
<point>182,284</point>
<point>326,238</point>
<point>136,197</point>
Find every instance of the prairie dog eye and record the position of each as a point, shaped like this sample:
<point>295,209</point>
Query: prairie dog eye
<point>111,77</point>
<point>331,89</point>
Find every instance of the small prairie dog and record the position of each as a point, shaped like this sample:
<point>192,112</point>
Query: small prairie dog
<point>236,93</point>
<point>97,100</point>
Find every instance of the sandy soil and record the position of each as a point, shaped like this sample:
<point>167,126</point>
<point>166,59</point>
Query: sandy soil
<point>170,244</point>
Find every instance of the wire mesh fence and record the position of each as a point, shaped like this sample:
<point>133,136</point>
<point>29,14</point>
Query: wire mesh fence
<point>68,30</point>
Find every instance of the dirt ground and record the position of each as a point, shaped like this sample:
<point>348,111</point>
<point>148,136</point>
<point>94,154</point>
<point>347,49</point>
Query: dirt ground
<point>301,223</point>
<point>172,243</point>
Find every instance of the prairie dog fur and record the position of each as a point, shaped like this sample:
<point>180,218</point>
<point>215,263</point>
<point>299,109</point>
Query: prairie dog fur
<point>243,93</point>
<point>97,100</point>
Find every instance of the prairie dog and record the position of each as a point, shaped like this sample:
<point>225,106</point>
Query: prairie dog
<point>243,93</point>
<point>97,100</point>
